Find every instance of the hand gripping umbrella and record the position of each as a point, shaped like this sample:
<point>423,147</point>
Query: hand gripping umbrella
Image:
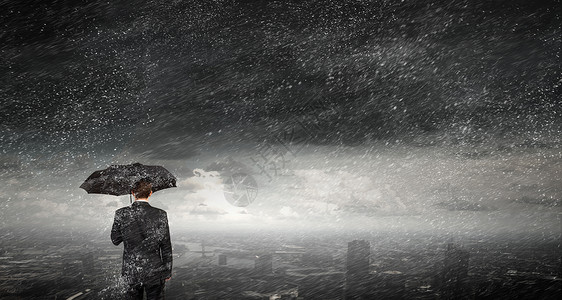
<point>119,179</point>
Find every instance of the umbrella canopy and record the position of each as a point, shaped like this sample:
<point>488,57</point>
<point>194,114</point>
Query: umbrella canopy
<point>119,179</point>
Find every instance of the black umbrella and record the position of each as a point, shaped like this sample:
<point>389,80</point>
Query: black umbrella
<point>119,179</point>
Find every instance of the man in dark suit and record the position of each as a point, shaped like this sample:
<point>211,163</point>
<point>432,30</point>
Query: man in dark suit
<point>147,249</point>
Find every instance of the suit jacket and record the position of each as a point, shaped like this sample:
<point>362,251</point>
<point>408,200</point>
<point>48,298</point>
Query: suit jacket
<point>147,249</point>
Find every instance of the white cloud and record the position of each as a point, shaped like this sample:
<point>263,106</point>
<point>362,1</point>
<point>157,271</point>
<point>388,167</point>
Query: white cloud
<point>288,212</point>
<point>202,180</point>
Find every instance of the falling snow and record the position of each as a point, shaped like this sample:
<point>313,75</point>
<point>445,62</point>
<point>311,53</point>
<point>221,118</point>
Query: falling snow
<point>425,128</point>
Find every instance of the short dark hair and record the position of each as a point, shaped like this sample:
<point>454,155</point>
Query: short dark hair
<point>142,189</point>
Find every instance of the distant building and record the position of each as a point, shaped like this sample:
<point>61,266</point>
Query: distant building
<point>264,264</point>
<point>357,269</point>
<point>454,283</point>
<point>222,260</point>
<point>358,257</point>
<point>87,263</point>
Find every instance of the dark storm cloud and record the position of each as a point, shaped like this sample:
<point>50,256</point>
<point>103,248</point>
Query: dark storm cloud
<point>166,77</point>
<point>389,68</point>
<point>62,85</point>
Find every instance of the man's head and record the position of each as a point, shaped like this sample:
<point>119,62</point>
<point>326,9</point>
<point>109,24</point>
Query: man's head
<point>142,189</point>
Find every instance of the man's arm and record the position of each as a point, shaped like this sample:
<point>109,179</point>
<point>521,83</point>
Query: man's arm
<point>166,249</point>
<point>116,235</point>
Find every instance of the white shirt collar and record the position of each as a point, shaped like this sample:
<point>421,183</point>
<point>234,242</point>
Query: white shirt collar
<point>141,201</point>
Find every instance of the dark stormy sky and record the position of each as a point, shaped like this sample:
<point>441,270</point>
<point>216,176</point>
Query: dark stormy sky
<point>406,114</point>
